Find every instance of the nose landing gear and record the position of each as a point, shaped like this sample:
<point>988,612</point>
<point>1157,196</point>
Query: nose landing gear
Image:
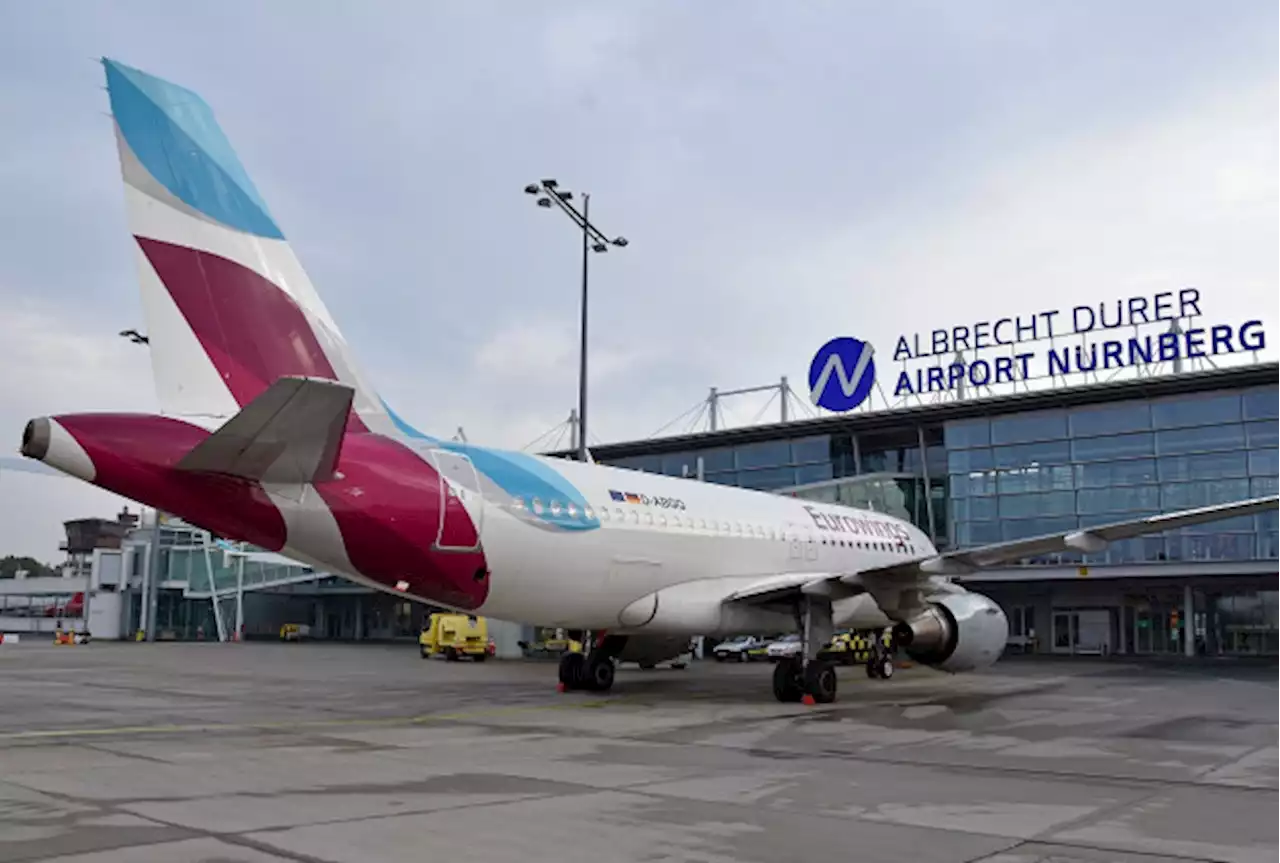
<point>880,664</point>
<point>595,671</point>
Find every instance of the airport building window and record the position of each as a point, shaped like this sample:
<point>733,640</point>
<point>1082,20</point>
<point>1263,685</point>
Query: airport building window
<point>1265,462</point>
<point>767,478</point>
<point>1112,446</point>
<point>966,434</point>
<point>717,459</point>
<point>1118,461</point>
<point>1202,439</point>
<point>1034,477</point>
<point>811,449</point>
<point>1214,465</point>
<point>1029,505</point>
<point>1261,486</point>
<point>1262,434</point>
<point>1020,455</point>
<point>1134,499</point>
<point>1025,428</point>
<point>1103,474</point>
<point>1110,419</point>
<point>808,473</point>
<point>763,454</point>
<point>1260,404</point>
<point>1185,411</point>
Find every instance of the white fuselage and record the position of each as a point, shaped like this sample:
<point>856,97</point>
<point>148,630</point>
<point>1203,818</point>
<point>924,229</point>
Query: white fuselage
<point>712,540</point>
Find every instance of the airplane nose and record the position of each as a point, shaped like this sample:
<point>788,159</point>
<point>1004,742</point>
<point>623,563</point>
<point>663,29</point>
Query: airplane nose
<point>35,439</point>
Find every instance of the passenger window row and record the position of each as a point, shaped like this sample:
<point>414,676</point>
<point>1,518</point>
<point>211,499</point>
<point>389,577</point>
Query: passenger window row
<point>677,522</point>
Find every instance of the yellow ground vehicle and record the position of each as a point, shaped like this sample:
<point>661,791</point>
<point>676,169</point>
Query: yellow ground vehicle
<point>455,636</point>
<point>872,648</point>
<point>550,643</point>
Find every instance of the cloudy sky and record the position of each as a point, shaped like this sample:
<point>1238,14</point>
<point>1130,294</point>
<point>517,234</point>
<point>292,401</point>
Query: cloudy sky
<point>786,172</point>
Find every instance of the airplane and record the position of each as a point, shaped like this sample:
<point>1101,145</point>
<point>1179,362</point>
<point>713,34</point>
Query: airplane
<point>271,434</point>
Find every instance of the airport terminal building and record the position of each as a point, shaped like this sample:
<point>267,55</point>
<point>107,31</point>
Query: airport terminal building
<point>1008,465</point>
<point>977,472</point>
<point>966,472</point>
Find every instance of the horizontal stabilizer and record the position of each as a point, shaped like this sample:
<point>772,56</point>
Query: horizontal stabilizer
<point>291,433</point>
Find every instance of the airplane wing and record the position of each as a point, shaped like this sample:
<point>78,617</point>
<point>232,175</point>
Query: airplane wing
<point>785,586</point>
<point>929,573</point>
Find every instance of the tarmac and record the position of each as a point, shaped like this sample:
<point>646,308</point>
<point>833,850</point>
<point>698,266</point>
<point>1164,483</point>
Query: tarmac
<point>264,753</point>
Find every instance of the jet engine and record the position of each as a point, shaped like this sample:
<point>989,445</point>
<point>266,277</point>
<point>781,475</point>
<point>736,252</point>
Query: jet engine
<point>960,632</point>
<point>650,650</point>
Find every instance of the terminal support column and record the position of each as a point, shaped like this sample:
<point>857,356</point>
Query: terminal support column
<point>150,599</point>
<point>928,489</point>
<point>1188,622</point>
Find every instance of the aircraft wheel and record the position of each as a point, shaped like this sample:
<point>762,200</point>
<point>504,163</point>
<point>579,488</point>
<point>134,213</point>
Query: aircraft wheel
<point>599,674</point>
<point>820,681</point>
<point>787,686</point>
<point>880,666</point>
<point>572,670</point>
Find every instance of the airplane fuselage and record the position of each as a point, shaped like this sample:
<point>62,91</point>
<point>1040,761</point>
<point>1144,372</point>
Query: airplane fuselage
<point>513,536</point>
<point>668,531</point>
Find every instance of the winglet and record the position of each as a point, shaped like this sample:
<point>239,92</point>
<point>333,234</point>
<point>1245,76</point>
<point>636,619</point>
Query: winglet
<point>291,433</point>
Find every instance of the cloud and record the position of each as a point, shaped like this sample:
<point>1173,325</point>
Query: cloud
<point>544,352</point>
<point>54,363</point>
<point>1187,198</point>
<point>784,174</point>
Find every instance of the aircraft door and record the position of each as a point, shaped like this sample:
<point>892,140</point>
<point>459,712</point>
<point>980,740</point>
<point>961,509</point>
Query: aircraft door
<point>461,503</point>
<point>810,547</point>
<point>795,544</point>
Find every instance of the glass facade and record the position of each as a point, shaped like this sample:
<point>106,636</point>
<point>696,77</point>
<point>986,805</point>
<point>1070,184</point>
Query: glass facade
<point>1243,623</point>
<point>1017,475</point>
<point>765,465</point>
<point>883,471</point>
<point>1019,472</point>
<point>204,569</point>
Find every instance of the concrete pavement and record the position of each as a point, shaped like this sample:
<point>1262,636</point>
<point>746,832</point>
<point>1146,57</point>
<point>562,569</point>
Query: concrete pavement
<point>260,753</point>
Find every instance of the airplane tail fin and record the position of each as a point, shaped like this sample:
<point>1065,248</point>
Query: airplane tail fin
<point>229,309</point>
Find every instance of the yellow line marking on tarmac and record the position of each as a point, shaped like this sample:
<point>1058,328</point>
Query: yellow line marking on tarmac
<point>126,730</point>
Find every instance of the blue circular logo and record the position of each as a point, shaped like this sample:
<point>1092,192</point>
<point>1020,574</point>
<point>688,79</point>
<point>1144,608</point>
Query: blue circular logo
<point>842,374</point>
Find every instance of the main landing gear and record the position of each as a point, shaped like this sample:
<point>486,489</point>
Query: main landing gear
<point>593,672</point>
<point>804,677</point>
<point>880,664</point>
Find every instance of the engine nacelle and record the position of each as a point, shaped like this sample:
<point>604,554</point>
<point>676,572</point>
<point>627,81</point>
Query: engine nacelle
<point>960,632</point>
<point>650,650</point>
